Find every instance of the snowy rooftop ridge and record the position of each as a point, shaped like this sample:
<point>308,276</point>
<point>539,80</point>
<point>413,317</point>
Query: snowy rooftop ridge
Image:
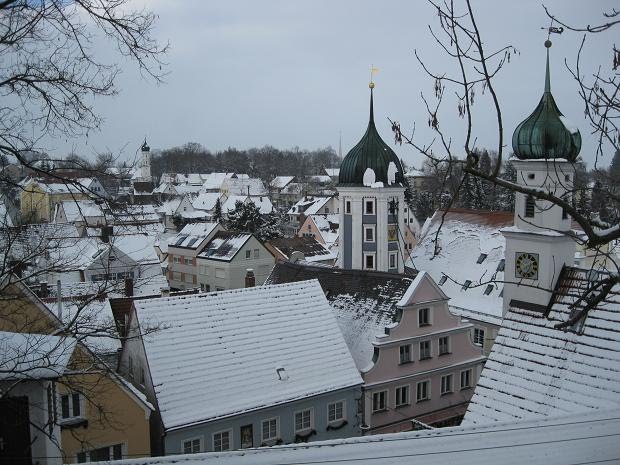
<point>248,334</point>
<point>535,369</point>
<point>553,441</point>
<point>192,235</point>
<point>225,245</point>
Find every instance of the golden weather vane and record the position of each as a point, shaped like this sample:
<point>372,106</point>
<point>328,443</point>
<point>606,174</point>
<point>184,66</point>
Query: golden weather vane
<point>373,71</point>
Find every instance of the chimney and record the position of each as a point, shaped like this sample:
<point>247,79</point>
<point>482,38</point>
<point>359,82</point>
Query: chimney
<point>43,290</point>
<point>165,292</point>
<point>59,299</point>
<point>250,279</point>
<point>128,287</point>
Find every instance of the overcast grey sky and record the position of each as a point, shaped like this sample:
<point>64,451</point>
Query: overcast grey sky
<point>292,73</point>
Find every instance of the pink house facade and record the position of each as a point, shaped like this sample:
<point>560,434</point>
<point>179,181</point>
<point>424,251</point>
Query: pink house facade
<point>425,366</point>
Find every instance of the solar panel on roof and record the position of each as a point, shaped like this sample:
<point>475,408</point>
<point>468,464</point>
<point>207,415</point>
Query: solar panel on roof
<point>180,240</point>
<point>192,241</point>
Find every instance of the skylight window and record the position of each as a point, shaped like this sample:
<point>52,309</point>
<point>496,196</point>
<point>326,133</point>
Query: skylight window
<point>180,240</point>
<point>488,289</point>
<point>481,258</point>
<point>466,285</point>
<point>443,280</point>
<point>501,265</point>
<point>191,242</point>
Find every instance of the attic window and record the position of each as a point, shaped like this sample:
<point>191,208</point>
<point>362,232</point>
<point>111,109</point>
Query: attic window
<point>488,289</point>
<point>481,258</point>
<point>501,265</point>
<point>466,285</point>
<point>443,280</point>
<point>531,176</point>
<point>282,375</point>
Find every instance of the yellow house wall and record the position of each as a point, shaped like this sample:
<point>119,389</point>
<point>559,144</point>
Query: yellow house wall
<point>38,206</point>
<point>113,418</point>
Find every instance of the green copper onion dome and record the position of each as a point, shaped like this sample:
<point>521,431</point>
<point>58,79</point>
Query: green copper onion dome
<point>370,152</point>
<point>546,133</point>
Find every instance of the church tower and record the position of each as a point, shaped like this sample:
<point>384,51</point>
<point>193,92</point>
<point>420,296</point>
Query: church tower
<point>145,162</point>
<point>546,147</point>
<point>372,199</point>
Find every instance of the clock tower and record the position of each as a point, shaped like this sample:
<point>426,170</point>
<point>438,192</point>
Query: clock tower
<point>545,148</point>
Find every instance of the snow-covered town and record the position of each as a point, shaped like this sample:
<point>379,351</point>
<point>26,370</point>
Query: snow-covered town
<point>425,293</point>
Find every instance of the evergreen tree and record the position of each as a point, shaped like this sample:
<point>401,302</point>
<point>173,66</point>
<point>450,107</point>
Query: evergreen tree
<point>247,217</point>
<point>614,169</point>
<point>217,211</point>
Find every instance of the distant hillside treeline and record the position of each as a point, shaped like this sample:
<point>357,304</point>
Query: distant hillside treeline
<point>264,163</point>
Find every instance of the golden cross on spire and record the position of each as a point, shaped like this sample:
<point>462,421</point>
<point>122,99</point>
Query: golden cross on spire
<point>373,71</point>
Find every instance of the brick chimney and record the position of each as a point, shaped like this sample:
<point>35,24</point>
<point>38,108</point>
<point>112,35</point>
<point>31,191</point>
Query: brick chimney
<point>128,287</point>
<point>43,290</point>
<point>250,279</point>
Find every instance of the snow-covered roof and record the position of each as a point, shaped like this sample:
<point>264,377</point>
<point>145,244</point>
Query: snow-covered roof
<point>169,207</point>
<point>332,172</point>
<point>414,173</point>
<point>471,247</point>
<point>93,324</point>
<point>261,201</point>
<point>328,226</point>
<point>364,301</point>
<point>293,188</point>
<point>133,214</point>
<point>309,205</point>
<point>183,189</point>
<point>33,356</point>
<point>572,439</point>
<point>58,188</point>
<point>213,181</point>
<point>280,182</point>
<point>192,235</point>
<point>537,370</point>
<point>244,186</point>
<point>320,179</point>
<point>139,247</point>
<point>313,250</point>
<point>80,210</point>
<point>206,201</point>
<point>6,221</point>
<point>248,335</point>
<point>225,245</point>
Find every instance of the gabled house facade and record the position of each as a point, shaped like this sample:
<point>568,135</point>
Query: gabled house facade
<point>227,259</point>
<point>99,415</point>
<point>278,369</point>
<point>183,250</point>
<point>425,366</point>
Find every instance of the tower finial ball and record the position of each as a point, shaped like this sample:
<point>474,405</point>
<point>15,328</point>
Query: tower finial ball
<point>547,43</point>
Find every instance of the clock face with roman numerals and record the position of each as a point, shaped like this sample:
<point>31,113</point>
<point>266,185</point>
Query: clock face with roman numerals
<point>526,265</point>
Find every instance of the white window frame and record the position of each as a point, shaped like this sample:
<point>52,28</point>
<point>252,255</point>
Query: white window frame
<point>469,378</point>
<point>393,257</point>
<point>370,227</point>
<point>230,440</point>
<point>478,337</point>
<point>366,203</point>
<point>385,401</point>
<point>176,259</point>
<point>407,388</point>
<point>403,360</point>
<point>428,390</point>
<point>429,319</point>
<point>450,390</point>
<point>448,345</point>
<point>262,431</point>
<point>344,411</point>
<point>72,416</point>
<point>191,441</point>
<point>310,410</point>
<point>187,261</point>
<point>430,349</point>
<point>374,261</point>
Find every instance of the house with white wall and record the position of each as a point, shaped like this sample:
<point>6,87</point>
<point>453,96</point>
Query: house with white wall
<point>225,260</point>
<point>251,367</point>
